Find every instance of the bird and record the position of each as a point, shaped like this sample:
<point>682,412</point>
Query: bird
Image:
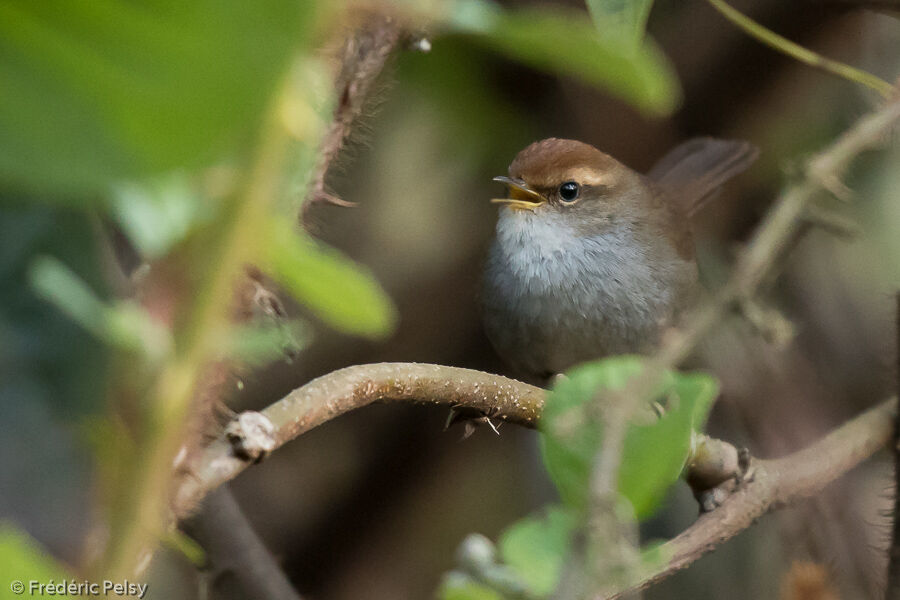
<point>591,258</point>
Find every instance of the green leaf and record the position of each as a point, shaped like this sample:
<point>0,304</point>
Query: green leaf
<point>125,325</point>
<point>23,559</point>
<point>58,284</point>
<point>536,547</point>
<point>627,17</point>
<point>96,91</point>
<point>653,454</point>
<point>571,434</point>
<point>459,586</point>
<point>158,213</point>
<point>654,555</point>
<point>566,42</point>
<point>187,547</point>
<point>342,293</point>
<point>257,344</point>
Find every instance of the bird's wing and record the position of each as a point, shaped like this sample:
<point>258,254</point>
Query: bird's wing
<point>694,170</point>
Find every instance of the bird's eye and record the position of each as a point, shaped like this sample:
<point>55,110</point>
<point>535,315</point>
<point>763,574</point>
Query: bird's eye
<point>569,191</point>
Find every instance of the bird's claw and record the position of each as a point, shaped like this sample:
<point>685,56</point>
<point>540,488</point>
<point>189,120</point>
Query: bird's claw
<point>471,418</point>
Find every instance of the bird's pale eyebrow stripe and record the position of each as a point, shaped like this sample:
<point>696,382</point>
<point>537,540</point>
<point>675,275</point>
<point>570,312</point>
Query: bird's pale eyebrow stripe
<point>594,187</point>
<point>586,176</point>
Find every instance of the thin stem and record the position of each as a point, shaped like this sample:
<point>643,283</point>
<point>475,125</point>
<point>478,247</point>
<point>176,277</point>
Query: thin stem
<point>804,55</point>
<point>141,521</point>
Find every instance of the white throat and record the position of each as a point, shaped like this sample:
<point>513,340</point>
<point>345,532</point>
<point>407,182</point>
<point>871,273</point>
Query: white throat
<point>545,251</point>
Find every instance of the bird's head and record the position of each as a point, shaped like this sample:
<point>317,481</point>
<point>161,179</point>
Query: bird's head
<point>571,178</point>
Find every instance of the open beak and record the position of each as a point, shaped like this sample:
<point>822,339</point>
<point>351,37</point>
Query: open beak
<point>521,197</point>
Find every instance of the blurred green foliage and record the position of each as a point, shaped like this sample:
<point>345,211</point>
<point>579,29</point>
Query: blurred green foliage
<point>260,343</point>
<point>536,547</point>
<point>42,351</point>
<point>123,324</point>
<point>567,43</point>
<point>338,291</point>
<point>458,586</point>
<point>628,17</point>
<point>52,373</point>
<point>97,91</point>
<point>23,558</point>
<point>158,213</point>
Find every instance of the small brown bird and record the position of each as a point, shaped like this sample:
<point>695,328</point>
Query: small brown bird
<point>592,258</point>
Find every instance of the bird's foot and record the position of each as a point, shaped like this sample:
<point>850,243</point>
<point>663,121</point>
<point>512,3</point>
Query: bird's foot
<point>716,470</point>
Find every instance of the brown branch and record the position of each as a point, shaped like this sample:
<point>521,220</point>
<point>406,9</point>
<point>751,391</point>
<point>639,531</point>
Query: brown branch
<point>339,392</point>
<point>238,563</point>
<point>365,54</point>
<point>777,483</point>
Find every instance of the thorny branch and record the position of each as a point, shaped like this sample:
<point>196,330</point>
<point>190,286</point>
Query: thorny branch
<point>365,55</point>
<point>350,388</point>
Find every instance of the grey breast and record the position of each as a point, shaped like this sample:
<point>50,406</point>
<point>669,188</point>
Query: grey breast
<point>552,299</point>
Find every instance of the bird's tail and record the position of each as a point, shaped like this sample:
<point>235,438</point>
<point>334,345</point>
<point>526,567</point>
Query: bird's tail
<point>694,170</point>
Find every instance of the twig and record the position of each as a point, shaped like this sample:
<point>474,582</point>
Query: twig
<point>892,591</point>
<point>773,237</point>
<point>798,52</point>
<point>777,483</point>
<point>365,54</point>
<point>778,230</point>
<point>339,392</point>
<point>612,538</point>
<point>239,564</point>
